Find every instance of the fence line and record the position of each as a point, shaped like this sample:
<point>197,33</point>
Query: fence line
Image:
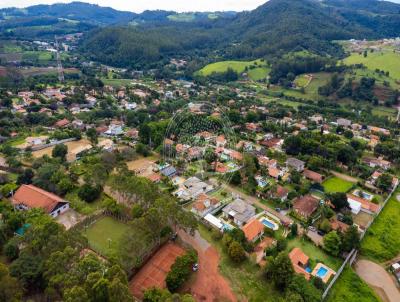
<point>353,254</point>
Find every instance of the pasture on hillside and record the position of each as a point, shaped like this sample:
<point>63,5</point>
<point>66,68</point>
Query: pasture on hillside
<point>258,72</point>
<point>383,60</point>
<point>382,241</point>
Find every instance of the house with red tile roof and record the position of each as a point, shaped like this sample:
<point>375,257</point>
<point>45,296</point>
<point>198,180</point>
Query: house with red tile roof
<point>313,176</point>
<point>62,123</point>
<point>365,204</point>
<point>204,204</point>
<point>305,205</point>
<point>253,230</point>
<point>300,262</point>
<point>31,197</point>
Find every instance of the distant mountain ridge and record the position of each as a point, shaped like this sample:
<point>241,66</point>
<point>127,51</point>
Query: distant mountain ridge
<point>273,29</point>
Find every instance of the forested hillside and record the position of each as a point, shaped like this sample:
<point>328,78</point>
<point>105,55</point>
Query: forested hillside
<point>273,29</point>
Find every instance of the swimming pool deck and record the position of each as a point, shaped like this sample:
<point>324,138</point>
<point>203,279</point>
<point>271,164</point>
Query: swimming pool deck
<point>328,274</point>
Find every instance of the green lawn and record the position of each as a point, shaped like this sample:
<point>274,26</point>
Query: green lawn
<point>238,66</point>
<point>336,184</point>
<point>184,17</point>
<point>37,55</point>
<point>258,73</point>
<point>117,82</point>
<point>301,80</point>
<point>383,60</point>
<point>105,234</point>
<point>350,288</point>
<point>315,253</point>
<point>245,279</point>
<point>382,241</point>
<point>83,207</point>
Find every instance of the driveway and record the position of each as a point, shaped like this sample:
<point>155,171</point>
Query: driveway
<point>207,284</point>
<point>379,279</point>
<point>69,218</point>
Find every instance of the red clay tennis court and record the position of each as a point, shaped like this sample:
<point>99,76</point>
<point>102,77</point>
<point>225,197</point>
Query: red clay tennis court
<point>153,273</point>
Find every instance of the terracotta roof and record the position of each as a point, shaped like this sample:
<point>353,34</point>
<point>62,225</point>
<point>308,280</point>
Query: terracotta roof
<point>299,259</point>
<point>253,229</point>
<point>339,226</point>
<point>273,172</point>
<point>306,205</point>
<point>365,204</point>
<point>281,191</point>
<point>34,197</point>
<point>62,123</point>
<point>314,176</point>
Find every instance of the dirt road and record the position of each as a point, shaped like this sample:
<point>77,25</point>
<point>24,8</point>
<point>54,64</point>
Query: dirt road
<point>379,279</point>
<point>207,284</point>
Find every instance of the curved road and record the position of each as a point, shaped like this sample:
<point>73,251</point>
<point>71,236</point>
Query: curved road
<point>376,276</point>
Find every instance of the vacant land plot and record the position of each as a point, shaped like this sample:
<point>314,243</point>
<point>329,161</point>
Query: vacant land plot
<point>154,272</point>
<point>74,148</point>
<point>257,73</point>
<point>351,288</point>
<point>105,234</point>
<point>303,80</point>
<point>336,184</point>
<point>383,60</point>
<point>382,241</point>
<point>142,166</point>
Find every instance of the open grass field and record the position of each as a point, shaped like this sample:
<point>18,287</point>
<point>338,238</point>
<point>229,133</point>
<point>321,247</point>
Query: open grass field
<point>239,66</point>
<point>311,91</point>
<point>382,241</point>
<point>245,279</point>
<point>184,17</point>
<point>37,56</point>
<point>350,288</point>
<point>105,234</point>
<point>383,60</point>
<point>336,184</point>
<point>117,82</point>
<point>315,253</point>
<point>379,78</point>
<point>302,80</point>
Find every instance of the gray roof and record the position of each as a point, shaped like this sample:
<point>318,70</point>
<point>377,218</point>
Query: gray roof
<point>243,211</point>
<point>294,162</point>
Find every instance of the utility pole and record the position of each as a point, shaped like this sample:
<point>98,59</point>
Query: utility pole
<point>59,65</point>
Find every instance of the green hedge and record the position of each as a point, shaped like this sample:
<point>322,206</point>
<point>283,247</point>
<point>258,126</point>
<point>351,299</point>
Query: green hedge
<point>180,271</point>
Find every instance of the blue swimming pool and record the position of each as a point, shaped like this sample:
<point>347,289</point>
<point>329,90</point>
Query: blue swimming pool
<point>322,272</point>
<point>268,224</point>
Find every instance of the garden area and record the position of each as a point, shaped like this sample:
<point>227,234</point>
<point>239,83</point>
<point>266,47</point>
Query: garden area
<point>105,234</point>
<point>382,241</point>
<point>246,278</point>
<point>336,184</point>
<point>315,253</point>
<point>351,288</point>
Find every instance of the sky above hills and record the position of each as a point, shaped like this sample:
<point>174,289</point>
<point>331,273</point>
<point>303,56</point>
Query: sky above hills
<point>141,5</point>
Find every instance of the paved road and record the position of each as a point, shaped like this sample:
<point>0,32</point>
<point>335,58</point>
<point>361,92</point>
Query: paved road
<point>382,282</point>
<point>254,201</point>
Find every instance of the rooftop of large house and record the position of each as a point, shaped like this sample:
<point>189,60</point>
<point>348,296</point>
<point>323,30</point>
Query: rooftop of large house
<point>300,262</point>
<point>253,229</point>
<point>34,197</point>
<point>314,176</point>
<point>306,205</point>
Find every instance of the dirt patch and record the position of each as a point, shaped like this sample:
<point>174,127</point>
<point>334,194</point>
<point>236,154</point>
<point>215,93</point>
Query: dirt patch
<point>379,279</point>
<point>153,273</point>
<point>142,166</point>
<point>207,283</point>
<point>74,148</point>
